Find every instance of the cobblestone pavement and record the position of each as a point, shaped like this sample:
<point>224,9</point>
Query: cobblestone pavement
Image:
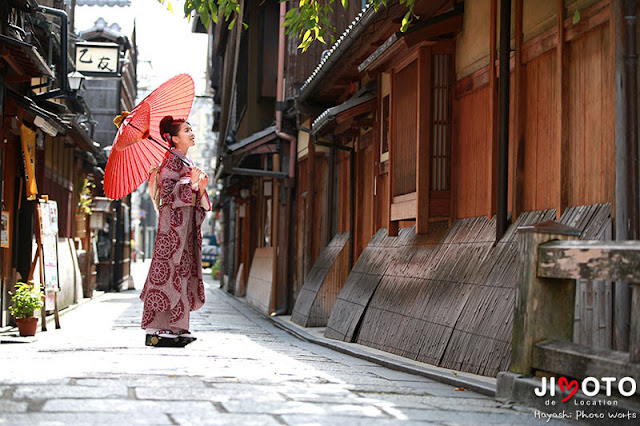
<point>242,370</point>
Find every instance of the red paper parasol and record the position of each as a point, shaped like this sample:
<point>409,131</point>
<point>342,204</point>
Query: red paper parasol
<point>138,145</point>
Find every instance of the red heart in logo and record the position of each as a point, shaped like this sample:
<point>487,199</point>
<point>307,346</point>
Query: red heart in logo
<point>569,386</point>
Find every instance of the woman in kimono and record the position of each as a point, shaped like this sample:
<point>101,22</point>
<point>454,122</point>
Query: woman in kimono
<point>174,285</point>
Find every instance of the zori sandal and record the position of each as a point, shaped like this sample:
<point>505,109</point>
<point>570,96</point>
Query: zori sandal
<point>186,337</point>
<point>165,339</point>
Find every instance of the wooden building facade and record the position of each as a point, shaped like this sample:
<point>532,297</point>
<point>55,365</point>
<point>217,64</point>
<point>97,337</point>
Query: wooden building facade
<point>261,155</point>
<point>46,120</point>
<point>424,155</point>
<point>394,238</point>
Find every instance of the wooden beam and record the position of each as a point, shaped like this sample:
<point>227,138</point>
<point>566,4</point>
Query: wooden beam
<point>591,260</point>
<point>311,198</point>
<point>405,197</point>
<point>542,311</point>
<point>403,210</point>
<point>363,108</point>
<point>275,235</point>
<point>392,226</point>
<point>451,25</point>
<point>634,327</point>
<point>423,141</point>
<point>561,184</point>
<point>578,361</point>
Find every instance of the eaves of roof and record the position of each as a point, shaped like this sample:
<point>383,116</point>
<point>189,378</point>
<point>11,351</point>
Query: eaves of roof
<point>346,40</point>
<point>456,11</point>
<point>23,57</point>
<point>101,3</point>
<point>28,104</point>
<point>262,136</point>
<point>330,114</point>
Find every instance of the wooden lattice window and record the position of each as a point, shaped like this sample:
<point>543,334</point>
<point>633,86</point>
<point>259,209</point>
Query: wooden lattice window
<point>405,106</point>
<point>421,134</point>
<point>441,122</point>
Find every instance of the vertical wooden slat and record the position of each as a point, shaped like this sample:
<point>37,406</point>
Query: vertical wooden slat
<point>310,205</point>
<point>423,151</point>
<point>634,329</point>
<point>561,159</point>
<point>392,227</point>
<point>492,159</point>
<point>517,159</point>
<point>377,136</point>
<point>275,236</point>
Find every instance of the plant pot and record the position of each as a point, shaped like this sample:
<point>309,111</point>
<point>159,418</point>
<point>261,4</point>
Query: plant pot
<point>217,275</point>
<point>27,326</point>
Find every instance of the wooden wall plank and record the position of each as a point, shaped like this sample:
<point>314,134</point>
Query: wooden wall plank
<point>423,141</point>
<point>323,284</point>
<point>260,280</point>
<point>469,165</point>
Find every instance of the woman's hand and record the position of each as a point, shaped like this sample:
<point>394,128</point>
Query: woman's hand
<point>202,183</point>
<point>195,175</point>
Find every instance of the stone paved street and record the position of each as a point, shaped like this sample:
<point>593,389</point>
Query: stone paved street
<point>242,370</point>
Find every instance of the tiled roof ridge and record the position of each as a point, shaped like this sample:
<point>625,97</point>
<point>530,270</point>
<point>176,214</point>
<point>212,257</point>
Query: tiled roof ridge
<point>368,9</point>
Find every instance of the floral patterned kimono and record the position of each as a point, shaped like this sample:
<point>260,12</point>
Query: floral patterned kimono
<point>174,285</point>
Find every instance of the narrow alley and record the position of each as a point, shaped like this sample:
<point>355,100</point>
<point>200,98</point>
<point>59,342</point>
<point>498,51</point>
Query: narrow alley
<point>241,370</point>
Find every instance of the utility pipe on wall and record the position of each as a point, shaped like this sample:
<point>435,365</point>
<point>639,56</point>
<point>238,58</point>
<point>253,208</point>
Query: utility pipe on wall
<point>281,275</point>
<point>503,135</point>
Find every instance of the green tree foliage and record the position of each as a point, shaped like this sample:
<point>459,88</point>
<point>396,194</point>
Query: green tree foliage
<point>309,20</point>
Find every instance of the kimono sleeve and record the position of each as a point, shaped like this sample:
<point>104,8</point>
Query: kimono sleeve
<point>204,202</point>
<point>175,183</point>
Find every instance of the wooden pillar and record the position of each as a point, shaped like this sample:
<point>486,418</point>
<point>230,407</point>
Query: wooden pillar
<point>562,165</point>
<point>308,227</point>
<point>392,227</point>
<point>492,159</point>
<point>519,117</point>
<point>423,146</point>
<point>634,328</point>
<point>544,307</point>
<point>275,230</point>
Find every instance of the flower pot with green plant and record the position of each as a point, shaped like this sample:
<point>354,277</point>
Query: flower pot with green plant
<point>26,299</point>
<point>215,270</point>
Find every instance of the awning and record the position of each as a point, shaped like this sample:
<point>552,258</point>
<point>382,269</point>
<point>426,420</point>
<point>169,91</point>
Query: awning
<point>258,143</point>
<point>254,141</point>
<point>48,122</point>
<point>23,58</point>
<point>357,104</point>
<point>110,3</point>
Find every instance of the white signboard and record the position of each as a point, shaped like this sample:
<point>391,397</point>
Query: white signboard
<point>49,238</point>
<point>97,58</point>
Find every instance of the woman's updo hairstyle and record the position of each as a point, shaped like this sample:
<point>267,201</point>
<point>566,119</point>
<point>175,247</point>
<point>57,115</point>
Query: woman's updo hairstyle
<point>170,127</point>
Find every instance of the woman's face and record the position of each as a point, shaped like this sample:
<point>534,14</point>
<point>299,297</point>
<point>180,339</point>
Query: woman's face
<point>185,138</point>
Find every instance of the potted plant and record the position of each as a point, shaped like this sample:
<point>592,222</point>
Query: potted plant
<point>26,299</point>
<point>215,270</point>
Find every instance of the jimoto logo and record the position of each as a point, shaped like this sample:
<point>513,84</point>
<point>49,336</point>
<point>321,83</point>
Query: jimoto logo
<point>591,386</point>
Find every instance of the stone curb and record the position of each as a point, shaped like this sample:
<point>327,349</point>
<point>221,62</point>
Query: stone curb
<point>447,376</point>
<point>417,369</point>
